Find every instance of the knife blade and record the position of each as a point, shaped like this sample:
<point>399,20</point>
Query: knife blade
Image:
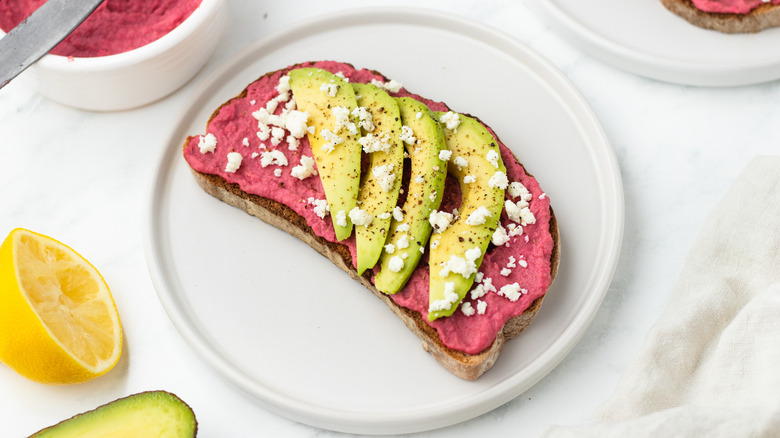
<point>39,33</point>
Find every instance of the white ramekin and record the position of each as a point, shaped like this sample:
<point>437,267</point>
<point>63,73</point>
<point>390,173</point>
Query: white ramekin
<point>135,78</point>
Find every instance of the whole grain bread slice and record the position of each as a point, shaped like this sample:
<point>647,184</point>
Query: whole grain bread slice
<point>464,365</point>
<point>764,16</point>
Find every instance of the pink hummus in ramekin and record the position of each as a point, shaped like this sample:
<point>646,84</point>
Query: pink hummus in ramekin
<point>731,6</point>
<point>116,26</point>
<point>235,130</point>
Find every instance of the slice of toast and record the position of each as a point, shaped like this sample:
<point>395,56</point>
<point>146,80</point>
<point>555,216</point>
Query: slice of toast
<point>464,365</point>
<point>764,16</point>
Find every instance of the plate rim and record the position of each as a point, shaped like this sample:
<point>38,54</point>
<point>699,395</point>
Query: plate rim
<point>406,422</point>
<point>653,66</point>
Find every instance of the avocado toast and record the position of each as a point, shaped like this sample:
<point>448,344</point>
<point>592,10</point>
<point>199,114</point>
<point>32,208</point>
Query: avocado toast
<point>284,150</point>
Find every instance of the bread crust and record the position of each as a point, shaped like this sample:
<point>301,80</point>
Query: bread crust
<point>464,365</point>
<point>763,17</point>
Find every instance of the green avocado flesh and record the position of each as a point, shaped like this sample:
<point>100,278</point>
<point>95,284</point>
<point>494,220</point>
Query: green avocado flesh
<point>319,92</point>
<point>426,187</point>
<point>384,167</point>
<point>148,414</point>
<point>473,142</point>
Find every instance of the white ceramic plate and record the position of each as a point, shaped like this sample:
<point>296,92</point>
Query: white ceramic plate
<point>642,37</point>
<point>280,322</point>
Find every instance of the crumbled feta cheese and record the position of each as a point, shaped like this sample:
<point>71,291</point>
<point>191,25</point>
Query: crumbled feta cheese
<point>295,122</point>
<point>207,143</point>
<point>403,228</point>
<point>482,289</point>
<point>305,169</point>
<point>263,131</point>
<point>375,143</point>
<point>516,189</point>
<point>392,86</point>
<point>505,272</point>
<point>512,263</point>
<point>419,179</point>
<point>385,215</point>
<point>396,264</point>
<point>330,89</point>
<point>492,157</point>
<point>360,217</point>
<point>519,212</point>
<point>262,115</point>
<point>418,116</point>
<point>468,179</point>
<point>331,139</point>
<point>460,162</point>
<point>276,158</point>
<point>499,236</point>
<point>384,176</point>
<point>478,278</point>
<point>445,154</point>
<point>277,134</point>
<point>465,266</point>
<point>498,180</point>
<point>234,162</point>
<point>271,106</point>
<point>522,263</point>
<point>467,309</point>
<point>407,135</point>
<point>321,207</point>
<point>434,243</point>
<point>478,216</point>
<point>481,307</point>
<point>403,242</point>
<point>341,114</point>
<point>365,120</point>
<point>398,213</point>
<point>512,291</point>
<point>440,220</point>
<point>245,141</point>
<point>284,84</point>
<point>451,120</point>
<point>255,154</point>
<point>450,298</point>
<point>277,172</point>
<point>389,248</point>
<point>292,143</point>
<point>341,218</point>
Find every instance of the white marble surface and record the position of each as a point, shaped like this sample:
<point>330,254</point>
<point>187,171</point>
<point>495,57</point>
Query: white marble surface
<point>83,177</point>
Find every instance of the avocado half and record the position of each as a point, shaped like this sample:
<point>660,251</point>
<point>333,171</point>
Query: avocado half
<point>146,414</point>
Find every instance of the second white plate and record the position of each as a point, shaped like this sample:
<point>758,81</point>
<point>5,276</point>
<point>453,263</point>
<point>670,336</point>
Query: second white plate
<point>642,37</point>
<point>283,324</point>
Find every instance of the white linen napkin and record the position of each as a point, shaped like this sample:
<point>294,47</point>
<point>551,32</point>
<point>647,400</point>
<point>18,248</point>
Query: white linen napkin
<point>710,366</point>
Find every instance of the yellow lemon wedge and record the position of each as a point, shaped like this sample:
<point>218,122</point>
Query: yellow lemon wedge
<point>58,320</point>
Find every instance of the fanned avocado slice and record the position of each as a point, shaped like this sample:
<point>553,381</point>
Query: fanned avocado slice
<point>335,149</point>
<point>409,236</point>
<point>147,414</point>
<point>381,183</point>
<point>457,252</point>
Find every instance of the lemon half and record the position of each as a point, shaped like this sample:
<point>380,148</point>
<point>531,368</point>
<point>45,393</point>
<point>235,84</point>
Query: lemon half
<point>58,320</point>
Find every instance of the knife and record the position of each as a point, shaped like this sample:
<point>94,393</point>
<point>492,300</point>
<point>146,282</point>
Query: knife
<point>39,33</point>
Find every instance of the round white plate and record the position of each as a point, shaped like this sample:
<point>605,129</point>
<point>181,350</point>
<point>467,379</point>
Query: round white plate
<point>283,324</point>
<point>643,37</point>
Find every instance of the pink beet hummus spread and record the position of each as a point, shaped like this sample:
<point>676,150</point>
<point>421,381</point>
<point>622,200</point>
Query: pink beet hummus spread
<point>471,334</point>
<point>731,6</point>
<point>116,26</point>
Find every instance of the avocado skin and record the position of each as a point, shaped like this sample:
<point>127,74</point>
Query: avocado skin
<point>146,414</point>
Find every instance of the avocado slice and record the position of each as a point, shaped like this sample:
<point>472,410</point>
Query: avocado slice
<point>426,187</point>
<point>381,183</point>
<point>457,252</point>
<point>147,414</point>
<point>335,148</point>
